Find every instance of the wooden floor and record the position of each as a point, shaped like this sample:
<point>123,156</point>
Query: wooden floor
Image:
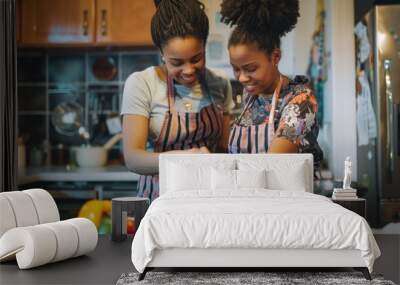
<point>389,262</point>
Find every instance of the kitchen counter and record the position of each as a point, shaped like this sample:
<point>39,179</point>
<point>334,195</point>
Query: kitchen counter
<point>61,173</point>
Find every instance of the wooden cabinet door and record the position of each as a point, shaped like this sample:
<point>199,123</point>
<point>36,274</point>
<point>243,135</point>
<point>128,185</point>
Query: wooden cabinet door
<point>57,21</point>
<point>124,22</point>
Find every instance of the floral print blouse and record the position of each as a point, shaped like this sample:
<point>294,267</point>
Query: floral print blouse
<point>295,117</point>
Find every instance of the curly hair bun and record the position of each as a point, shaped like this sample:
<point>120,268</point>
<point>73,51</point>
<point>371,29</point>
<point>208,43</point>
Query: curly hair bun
<point>261,16</point>
<point>158,2</point>
<point>178,18</point>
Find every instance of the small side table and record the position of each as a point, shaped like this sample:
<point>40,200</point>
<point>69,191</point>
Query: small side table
<point>126,215</point>
<point>357,205</point>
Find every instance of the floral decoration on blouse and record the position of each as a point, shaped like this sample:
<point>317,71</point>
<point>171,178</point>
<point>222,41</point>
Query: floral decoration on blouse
<point>295,116</point>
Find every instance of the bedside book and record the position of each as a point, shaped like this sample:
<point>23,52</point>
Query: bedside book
<point>344,198</point>
<point>344,194</point>
<point>341,190</point>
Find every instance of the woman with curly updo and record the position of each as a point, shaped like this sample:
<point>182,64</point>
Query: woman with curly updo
<point>179,106</point>
<point>278,113</point>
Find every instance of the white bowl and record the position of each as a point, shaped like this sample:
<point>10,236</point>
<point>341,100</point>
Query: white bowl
<point>91,156</point>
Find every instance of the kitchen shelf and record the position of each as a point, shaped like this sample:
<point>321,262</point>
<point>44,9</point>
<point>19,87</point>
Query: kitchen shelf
<point>104,112</point>
<point>67,86</point>
<point>101,84</point>
<point>49,77</point>
<point>32,84</point>
<point>27,113</point>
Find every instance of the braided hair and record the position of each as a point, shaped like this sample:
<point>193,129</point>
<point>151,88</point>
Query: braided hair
<point>260,22</point>
<point>178,18</point>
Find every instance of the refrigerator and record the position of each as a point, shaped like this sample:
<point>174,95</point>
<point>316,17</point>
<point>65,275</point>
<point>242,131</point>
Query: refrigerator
<point>378,160</point>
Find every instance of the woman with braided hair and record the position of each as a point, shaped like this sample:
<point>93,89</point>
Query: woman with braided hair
<point>180,106</point>
<point>278,113</point>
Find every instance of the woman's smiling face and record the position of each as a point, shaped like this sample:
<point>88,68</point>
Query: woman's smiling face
<point>254,68</point>
<point>184,59</point>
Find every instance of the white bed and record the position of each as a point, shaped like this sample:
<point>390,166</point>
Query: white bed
<point>201,220</point>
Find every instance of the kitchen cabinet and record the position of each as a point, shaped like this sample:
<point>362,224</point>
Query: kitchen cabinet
<point>86,22</point>
<point>124,22</point>
<point>57,21</point>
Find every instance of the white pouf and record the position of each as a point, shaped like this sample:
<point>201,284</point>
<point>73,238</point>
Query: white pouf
<point>23,208</point>
<point>40,244</point>
<point>7,218</point>
<point>32,233</point>
<point>45,205</point>
<point>33,246</point>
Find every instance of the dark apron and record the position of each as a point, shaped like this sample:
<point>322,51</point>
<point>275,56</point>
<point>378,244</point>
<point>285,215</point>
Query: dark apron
<point>182,131</point>
<point>254,138</point>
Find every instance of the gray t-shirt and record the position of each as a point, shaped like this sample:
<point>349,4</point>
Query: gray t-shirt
<point>146,94</point>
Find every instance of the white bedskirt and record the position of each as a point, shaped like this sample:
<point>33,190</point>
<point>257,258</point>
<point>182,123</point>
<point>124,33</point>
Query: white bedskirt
<point>252,219</point>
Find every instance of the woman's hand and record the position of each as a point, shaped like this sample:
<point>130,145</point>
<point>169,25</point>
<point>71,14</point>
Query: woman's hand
<point>204,149</point>
<point>197,150</point>
<point>226,126</point>
<point>282,145</point>
<point>135,136</point>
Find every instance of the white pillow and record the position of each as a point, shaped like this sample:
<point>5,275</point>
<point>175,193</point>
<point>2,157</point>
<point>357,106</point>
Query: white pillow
<point>223,179</point>
<point>280,174</point>
<point>183,178</point>
<point>237,179</point>
<point>291,179</point>
<point>251,178</point>
<point>188,176</point>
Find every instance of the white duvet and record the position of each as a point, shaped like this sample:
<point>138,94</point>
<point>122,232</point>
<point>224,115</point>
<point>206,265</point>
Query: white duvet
<point>253,218</point>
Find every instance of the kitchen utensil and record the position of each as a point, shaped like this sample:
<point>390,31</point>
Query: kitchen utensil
<point>59,155</point>
<point>100,134</point>
<point>21,155</point>
<point>67,118</point>
<point>109,144</point>
<point>35,157</point>
<point>95,156</point>
<point>84,134</point>
<point>104,68</point>
<point>114,124</point>
<point>91,156</point>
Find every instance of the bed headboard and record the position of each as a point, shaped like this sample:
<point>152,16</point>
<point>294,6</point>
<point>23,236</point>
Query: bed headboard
<point>271,160</point>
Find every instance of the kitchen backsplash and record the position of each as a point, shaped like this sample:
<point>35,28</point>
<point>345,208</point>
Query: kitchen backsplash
<point>86,84</point>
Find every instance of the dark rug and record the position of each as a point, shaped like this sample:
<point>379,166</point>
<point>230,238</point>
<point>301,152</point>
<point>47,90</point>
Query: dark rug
<point>230,278</point>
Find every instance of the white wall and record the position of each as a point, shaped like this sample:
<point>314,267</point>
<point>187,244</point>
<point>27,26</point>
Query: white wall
<point>217,55</point>
<point>338,135</point>
<point>341,84</point>
<point>296,44</point>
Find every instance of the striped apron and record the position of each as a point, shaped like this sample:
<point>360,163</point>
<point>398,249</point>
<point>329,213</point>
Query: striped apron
<point>184,130</point>
<point>254,138</point>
